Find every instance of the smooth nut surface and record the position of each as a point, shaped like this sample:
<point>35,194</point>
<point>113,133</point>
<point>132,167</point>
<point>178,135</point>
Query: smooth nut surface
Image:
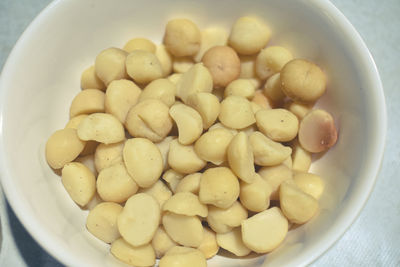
<point>185,203</point>
<point>149,119</point>
<point>115,184</point>
<point>162,242</point>
<point>189,183</point>
<point>139,219</point>
<point>207,105</point>
<point>143,66</point>
<point>143,161</point>
<point>278,124</point>
<point>310,183</point>
<point>183,158</point>
<point>223,64</point>
<point>121,95</point>
<point>271,60</point>
<point>232,242</point>
<point>101,127</point>
<point>165,59</point>
<point>159,191</point>
<point>240,157</point>
<point>249,35</point>
<point>224,220</point>
<point>89,80</point>
<point>63,146</point>
<point>86,102</point>
<point>140,44</point>
<point>182,37</point>
<point>212,146</point>
<point>275,176</point>
<point>273,90</point>
<point>303,81</point>
<point>110,65</point>
<point>107,155</point>
<point>240,87</point>
<point>102,221</point>
<point>141,256</point>
<point>265,231</point>
<point>219,187</point>
<point>161,89</point>
<point>236,112</point>
<point>183,257</point>
<point>317,131</point>
<point>255,196</point>
<point>189,122</point>
<point>211,37</point>
<point>184,230</point>
<point>266,151</point>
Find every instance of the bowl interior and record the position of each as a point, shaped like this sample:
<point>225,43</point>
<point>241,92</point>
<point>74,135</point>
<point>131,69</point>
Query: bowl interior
<point>42,76</point>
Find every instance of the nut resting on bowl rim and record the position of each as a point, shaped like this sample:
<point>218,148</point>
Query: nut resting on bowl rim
<point>15,136</point>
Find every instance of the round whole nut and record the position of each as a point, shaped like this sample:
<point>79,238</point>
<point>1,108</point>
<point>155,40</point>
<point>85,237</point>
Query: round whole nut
<point>182,37</point>
<point>303,81</point>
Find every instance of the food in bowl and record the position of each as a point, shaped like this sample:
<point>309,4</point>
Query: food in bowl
<point>204,166</point>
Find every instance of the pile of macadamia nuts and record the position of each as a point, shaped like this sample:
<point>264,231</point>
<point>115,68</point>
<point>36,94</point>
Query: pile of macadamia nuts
<point>200,143</point>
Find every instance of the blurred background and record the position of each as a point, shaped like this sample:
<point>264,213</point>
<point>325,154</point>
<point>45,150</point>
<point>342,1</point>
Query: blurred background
<point>373,239</point>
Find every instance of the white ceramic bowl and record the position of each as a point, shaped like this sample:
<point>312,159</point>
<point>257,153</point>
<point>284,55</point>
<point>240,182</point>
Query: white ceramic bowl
<point>42,76</point>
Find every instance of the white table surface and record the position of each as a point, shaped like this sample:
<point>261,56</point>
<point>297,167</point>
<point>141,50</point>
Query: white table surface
<point>374,238</point>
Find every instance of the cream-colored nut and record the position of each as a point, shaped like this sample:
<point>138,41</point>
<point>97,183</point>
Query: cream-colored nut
<point>63,146</point>
<point>219,187</point>
<point>207,105</point>
<point>161,89</point>
<point>140,44</point>
<point>298,207</point>
<point>159,191</point>
<point>142,256</point>
<point>272,89</point>
<point>162,242</point>
<point>212,145</point>
<point>185,230</point>
<point>240,87</point>
<point>301,158</point>
<point>265,231</point>
<point>288,162</point>
<point>255,196</point>
<point>86,102</point>
<point>143,161</point>
<point>182,64</point>
<point>110,65</point>
<point>143,66</point>
<point>183,257</point>
<point>139,219</point>
<point>209,245</point>
<point>189,183</point>
<point>317,131</point>
<point>197,79</point>
<point>275,176</point>
<point>255,107</point>
<point>183,158</point>
<point>247,67</point>
<point>74,122</point>
<point>298,109</point>
<point>261,100</point>
<point>223,64</point>
<point>107,155</point>
<point>101,127</point>
<point>149,119</point>
<point>278,124</point>
<point>224,220</point>
<point>175,79</point>
<point>121,95</point>
<point>102,221</point>
<point>303,81</point>
<point>266,151</point>
<point>232,242</point>
<point>172,178</point>
<point>240,157</point>
<point>219,125</point>
<point>89,80</point>
<point>114,184</point>
<point>249,35</point>
<point>163,146</point>
<point>185,203</point>
<point>249,130</point>
<point>189,122</point>
<point>257,82</point>
<point>165,59</point>
<point>236,112</point>
<point>271,60</point>
<point>90,148</point>
<point>309,183</point>
<point>211,37</point>
<point>79,182</point>
<point>182,37</point>
<point>88,161</point>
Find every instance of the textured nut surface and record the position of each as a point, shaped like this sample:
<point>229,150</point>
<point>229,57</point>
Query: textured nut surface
<point>107,155</point>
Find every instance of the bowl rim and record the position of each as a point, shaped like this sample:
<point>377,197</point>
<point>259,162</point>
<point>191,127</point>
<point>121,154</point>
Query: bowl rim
<point>337,230</point>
